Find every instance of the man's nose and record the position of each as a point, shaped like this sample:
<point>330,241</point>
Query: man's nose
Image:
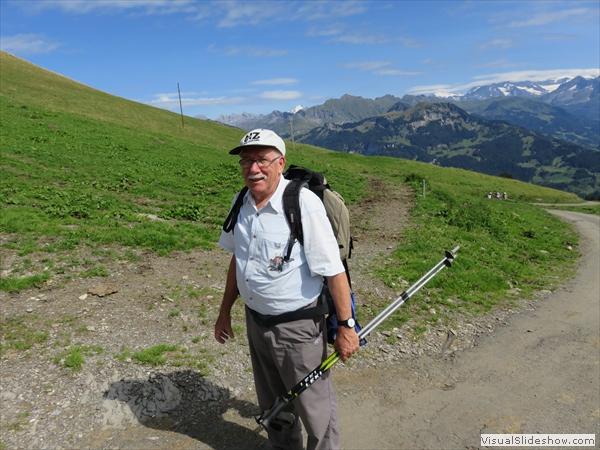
<point>254,167</point>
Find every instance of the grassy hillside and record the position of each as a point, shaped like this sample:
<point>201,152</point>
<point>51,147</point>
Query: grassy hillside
<point>81,168</point>
<point>27,84</point>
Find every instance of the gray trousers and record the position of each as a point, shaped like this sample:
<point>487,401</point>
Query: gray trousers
<point>282,356</point>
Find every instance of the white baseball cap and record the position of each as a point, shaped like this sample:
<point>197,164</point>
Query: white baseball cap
<point>260,137</point>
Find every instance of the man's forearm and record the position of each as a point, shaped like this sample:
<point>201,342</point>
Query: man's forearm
<point>223,329</point>
<point>346,342</point>
<point>340,292</point>
<point>231,291</point>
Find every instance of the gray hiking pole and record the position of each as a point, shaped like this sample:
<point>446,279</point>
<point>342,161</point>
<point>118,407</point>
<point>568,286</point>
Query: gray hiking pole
<point>274,417</point>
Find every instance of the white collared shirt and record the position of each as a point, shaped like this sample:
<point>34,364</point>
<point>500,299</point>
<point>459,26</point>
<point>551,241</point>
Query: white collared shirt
<point>259,241</point>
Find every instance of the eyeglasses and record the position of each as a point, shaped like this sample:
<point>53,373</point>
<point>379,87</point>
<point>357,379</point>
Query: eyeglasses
<point>262,163</point>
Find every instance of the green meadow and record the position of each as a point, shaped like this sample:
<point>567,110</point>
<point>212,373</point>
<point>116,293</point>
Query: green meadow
<point>81,168</point>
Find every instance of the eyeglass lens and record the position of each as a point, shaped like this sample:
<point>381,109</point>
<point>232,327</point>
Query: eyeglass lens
<point>263,163</point>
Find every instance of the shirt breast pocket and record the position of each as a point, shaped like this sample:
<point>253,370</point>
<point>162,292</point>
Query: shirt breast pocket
<point>273,252</point>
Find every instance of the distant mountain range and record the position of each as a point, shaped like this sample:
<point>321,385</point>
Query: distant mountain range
<point>444,134</point>
<point>346,109</point>
<point>547,132</point>
<point>578,96</point>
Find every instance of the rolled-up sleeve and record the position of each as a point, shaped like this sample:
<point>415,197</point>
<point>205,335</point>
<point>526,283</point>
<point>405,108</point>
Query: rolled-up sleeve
<point>320,245</point>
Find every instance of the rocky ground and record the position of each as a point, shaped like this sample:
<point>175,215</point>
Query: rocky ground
<point>202,397</point>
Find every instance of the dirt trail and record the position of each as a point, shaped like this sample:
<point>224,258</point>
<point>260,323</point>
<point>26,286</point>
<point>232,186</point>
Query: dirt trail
<point>539,373</point>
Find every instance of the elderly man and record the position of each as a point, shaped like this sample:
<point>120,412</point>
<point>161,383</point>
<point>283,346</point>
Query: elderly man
<point>284,353</point>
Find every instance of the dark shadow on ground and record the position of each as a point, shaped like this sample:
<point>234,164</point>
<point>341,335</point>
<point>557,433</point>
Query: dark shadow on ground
<point>187,403</point>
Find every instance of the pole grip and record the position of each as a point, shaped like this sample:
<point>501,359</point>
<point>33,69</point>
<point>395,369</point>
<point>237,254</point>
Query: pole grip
<point>271,413</point>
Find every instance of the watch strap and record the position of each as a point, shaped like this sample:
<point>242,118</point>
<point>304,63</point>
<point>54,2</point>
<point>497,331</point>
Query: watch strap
<point>344,323</point>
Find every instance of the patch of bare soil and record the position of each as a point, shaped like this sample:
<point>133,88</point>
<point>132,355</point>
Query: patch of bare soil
<point>377,224</point>
<point>202,398</point>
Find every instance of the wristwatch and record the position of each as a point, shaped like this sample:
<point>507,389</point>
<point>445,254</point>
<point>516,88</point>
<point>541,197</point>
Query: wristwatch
<point>347,323</point>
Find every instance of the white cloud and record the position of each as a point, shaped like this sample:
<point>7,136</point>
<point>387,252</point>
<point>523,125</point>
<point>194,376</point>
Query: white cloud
<point>27,44</point>
<point>327,30</point>
<point>252,13</point>
<point>264,51</point>
<point>396,72</point>
<point>366,66</point>
<point>359,37</point>
<point>326,10</point>
<point>263,13</point>
<point>170,101</point>
<point>408,42</point>
<point>276,81</point>
<point>87,6</point>
<point>378,68</point>
<point>544,18</point>
<point>369,38</point>
<point>248,50</point>
<point>227,13</point>
<point>515,76</point>
<point>280,95</point>
<point>496,43</point>
<point>498,63</point>
<point>419,90</point>
<point>439,62</point>
<point>534,75</point>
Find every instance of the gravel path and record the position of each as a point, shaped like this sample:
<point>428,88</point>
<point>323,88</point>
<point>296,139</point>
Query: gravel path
<point>536,372</point>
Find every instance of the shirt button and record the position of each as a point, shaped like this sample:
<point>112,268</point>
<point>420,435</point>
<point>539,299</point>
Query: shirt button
<point>251,258</point>
<point>254,236</point>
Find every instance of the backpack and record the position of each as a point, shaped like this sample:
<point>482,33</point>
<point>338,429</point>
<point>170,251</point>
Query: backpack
<point>338,216</point>
<point>337,213</point>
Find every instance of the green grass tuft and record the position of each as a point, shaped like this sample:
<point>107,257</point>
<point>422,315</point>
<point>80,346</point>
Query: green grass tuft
<point>154,355</point>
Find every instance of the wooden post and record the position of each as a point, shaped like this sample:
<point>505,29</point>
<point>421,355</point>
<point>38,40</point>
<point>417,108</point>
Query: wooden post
<point>180,106</point>
<point>292,130</point>
<point>423,188</point>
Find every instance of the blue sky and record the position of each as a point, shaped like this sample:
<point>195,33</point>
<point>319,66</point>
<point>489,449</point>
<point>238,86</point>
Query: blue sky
<point>234,56</point>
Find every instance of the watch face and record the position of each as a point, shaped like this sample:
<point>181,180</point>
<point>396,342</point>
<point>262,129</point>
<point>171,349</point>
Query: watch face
<point>351,322</point>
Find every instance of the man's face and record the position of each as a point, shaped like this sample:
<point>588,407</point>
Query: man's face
<point>262,182</point>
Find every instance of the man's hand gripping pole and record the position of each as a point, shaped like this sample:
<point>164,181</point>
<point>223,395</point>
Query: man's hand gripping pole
<point>276,419</point>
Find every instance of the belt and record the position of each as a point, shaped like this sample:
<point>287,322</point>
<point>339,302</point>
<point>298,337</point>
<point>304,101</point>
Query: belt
<point>310,312</point>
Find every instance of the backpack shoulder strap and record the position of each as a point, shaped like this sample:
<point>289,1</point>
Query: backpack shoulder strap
<point>315,181</point>
<point>231,220</point>
<point>291,208</point>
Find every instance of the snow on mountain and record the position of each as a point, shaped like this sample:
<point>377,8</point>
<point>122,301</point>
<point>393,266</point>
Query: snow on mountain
<point>531,89</point>
<point>449,95</point>
<point>296,109</point>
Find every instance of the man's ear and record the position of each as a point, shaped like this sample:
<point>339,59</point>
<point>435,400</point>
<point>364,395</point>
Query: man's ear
<point>281,162</point>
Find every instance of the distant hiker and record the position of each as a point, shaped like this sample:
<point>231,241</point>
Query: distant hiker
<point>504,196</point>
<point>489,195</point>
<point>283,352</point>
